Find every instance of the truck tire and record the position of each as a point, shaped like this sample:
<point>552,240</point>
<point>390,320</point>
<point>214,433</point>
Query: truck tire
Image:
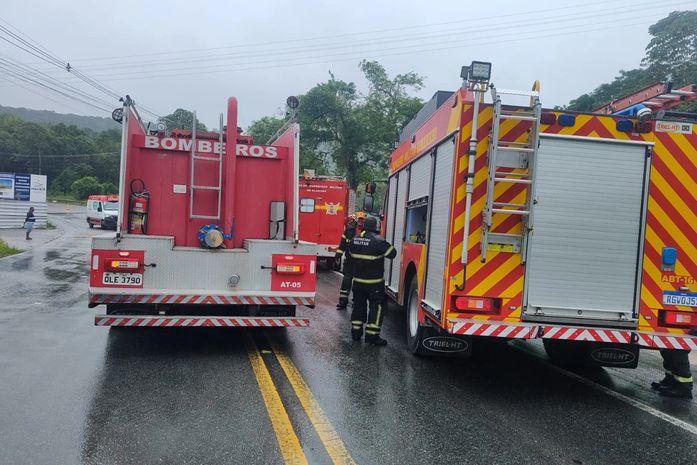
<point>415,331</point>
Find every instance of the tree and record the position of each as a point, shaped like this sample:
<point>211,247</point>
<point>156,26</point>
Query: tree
<point>670,55</point>
<point>84,187</point>
<point>263,129</point>
<point>352,134</point>
<point>183,119</point>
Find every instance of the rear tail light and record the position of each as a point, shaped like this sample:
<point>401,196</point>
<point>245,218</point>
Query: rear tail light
<point>290,268</point>
<point>476,304</point>
<point>122,265</point>
<point>682,319</point>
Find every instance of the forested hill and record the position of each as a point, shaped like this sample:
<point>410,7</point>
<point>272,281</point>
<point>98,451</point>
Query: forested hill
<point>94,123</point>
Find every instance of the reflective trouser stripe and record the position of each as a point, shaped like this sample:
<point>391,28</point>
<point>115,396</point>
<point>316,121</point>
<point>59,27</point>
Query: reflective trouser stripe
<point>682,379</point>
<point>343,292</point>
<point>357,324</point>
<point>372,332</point>
<point>369,281</point>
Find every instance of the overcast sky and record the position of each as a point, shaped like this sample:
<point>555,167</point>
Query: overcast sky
<point>195,54</point>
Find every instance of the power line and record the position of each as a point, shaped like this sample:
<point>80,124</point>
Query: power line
<point>394,51</point>
<point>69,155</point>
<point>34,48</point>
<point>468,21</point>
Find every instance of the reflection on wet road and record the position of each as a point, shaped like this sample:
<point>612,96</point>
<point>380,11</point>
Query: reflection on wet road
<point>74,393</point>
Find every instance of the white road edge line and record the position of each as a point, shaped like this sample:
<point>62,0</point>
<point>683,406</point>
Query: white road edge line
<point>626,399</point>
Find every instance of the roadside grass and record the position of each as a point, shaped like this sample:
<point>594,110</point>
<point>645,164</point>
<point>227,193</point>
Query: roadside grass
<point>64,198</point>
<point>49,225</point>
<point>6,250</point>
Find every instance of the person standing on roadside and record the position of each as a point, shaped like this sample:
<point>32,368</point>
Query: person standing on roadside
<point>369,251</point>
<point>353,227</point>
<point>678,380</point>
<point>29,222</point>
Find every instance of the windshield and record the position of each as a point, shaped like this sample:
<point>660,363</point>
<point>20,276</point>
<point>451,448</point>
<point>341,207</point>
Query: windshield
<point>111,206</point>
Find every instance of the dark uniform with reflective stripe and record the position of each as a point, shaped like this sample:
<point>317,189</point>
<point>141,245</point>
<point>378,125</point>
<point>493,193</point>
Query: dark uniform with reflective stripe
<point>678,380</point>
<point>350,231</point>
<point>369,251</point>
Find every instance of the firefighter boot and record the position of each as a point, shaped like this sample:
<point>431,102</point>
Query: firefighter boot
<point>678,390</point>
<point>343,303</point>
<point>356,330</point>
<point>666,382</point>
<point>375,339</point>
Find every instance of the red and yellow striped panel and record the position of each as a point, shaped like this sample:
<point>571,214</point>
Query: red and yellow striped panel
<point>671,218</point>
<point>502,273</point>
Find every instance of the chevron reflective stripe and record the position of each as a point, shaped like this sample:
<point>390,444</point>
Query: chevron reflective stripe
<point>483,328</point>
<point>680,342</point>
<point>206,321</point>
<point>617,336</point>
<point>198,299</point>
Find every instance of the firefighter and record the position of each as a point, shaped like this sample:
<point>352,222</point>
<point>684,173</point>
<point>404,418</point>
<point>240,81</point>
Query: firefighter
<point>368,251</point>
<point>353,227</point>
<point>678,380</point>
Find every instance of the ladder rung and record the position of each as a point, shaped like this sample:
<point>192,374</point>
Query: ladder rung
<point>511,173</point>
<point>196,157</point>
<point>682,92</point>
<point>515,149</point>
<point>527,93</point>
<point>513,181</point>
<point>518,117</point>
<point>206,188</point>
<point>513,205</point>
<point>512,212</point>
<point>204,217</point>
<point>668,97</point>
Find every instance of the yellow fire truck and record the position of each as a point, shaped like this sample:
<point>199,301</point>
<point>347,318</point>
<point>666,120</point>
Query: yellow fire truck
<point>518,222</point>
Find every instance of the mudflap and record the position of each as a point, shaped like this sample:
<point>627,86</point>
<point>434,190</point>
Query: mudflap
<point>435,343</point>
<point>613,355</point>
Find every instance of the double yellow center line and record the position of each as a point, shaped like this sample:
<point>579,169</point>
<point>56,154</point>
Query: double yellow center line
<point>288,441</point>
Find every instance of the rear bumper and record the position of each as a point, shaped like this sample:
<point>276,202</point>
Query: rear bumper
<point>201,321</point>
<point>140,296</point>
<point>648,340</point>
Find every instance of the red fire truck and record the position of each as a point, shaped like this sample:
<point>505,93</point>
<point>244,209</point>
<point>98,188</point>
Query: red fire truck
<point>207,231</point>
<point>325,205</point>
<point>522,223</point>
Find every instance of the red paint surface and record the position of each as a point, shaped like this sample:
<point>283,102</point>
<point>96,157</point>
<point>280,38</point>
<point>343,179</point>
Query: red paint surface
<point>304,282</point>
<point>326,223</point>
<point>249,183</point>
<point>104,255</point>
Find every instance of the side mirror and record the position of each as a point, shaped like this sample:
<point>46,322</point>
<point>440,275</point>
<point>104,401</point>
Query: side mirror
<point>368,203</point>
<point>99,208</point>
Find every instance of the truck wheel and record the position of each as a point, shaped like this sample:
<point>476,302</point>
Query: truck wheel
<point>415,331</point>
<point>566,353</point>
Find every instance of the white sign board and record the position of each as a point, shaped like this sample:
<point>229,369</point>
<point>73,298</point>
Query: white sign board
<point>7,186</point>
<point>38,188</point>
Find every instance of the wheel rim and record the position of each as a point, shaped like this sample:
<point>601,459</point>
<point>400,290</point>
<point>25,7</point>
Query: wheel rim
<point>413,313</point>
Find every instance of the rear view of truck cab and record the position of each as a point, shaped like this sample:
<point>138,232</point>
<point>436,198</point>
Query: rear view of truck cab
<point>207,232</point>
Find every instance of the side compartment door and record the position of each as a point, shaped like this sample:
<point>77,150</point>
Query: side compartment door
<point>398,232</point>
<point>437,242</point>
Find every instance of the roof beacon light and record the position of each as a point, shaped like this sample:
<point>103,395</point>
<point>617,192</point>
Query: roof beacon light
<point>480,71</point>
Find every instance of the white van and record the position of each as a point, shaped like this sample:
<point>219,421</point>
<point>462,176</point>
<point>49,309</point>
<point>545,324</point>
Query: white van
<point>103,210</point>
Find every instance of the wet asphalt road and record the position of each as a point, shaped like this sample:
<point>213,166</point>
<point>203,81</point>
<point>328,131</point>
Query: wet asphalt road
<point>73,393</point>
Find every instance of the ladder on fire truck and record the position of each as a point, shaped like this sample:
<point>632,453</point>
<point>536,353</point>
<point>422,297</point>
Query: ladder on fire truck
<point>658,96</point>
<point>193,187</point>
<point>511,162</point>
